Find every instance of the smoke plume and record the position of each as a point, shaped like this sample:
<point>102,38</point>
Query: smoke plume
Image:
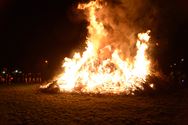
<point>122,20</point>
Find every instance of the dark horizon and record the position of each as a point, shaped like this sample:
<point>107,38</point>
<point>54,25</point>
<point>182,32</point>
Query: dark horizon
<point>34,31</point>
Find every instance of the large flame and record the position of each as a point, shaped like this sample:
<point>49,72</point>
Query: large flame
<point>101,69</point>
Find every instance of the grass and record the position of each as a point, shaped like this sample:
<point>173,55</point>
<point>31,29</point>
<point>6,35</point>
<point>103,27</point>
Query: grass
<point>24,104</point>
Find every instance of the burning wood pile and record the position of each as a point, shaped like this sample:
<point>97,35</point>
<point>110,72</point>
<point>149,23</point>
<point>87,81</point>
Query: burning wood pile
<point>108,64</point>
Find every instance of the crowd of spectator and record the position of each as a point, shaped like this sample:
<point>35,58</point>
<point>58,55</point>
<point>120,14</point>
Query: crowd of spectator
<point>8,78</point>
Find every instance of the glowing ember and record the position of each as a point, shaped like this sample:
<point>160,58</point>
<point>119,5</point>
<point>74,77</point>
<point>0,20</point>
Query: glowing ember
<point>101,68</point>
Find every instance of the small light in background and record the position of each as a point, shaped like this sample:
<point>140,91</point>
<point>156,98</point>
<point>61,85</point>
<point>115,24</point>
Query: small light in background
<point>11,78</point>
<point>46,61</point>
<point>182,59</point>
<point>3,72</point>
<point>16,71</point>
<point>157,44</point>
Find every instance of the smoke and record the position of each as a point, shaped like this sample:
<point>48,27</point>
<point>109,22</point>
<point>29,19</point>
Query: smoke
<point>122,20</point>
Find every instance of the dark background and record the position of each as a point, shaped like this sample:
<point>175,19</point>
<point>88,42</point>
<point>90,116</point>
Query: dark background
<point>32,31</point>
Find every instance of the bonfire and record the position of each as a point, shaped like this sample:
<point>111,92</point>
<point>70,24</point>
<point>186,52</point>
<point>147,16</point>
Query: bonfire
<point>104,67</point>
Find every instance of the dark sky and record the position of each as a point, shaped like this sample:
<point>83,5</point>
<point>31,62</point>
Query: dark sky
<point>32,31</point>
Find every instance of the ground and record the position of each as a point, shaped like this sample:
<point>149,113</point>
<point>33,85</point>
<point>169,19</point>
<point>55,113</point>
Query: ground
<point>24,104</point>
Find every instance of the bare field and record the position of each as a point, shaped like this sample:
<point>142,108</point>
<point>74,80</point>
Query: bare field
<point>24,104</point>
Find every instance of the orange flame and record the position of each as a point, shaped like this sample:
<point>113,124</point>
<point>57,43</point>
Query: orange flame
<point>102,70</point>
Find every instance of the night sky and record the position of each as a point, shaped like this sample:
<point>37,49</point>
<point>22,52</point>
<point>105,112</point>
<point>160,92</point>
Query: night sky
<point>32,31</point>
